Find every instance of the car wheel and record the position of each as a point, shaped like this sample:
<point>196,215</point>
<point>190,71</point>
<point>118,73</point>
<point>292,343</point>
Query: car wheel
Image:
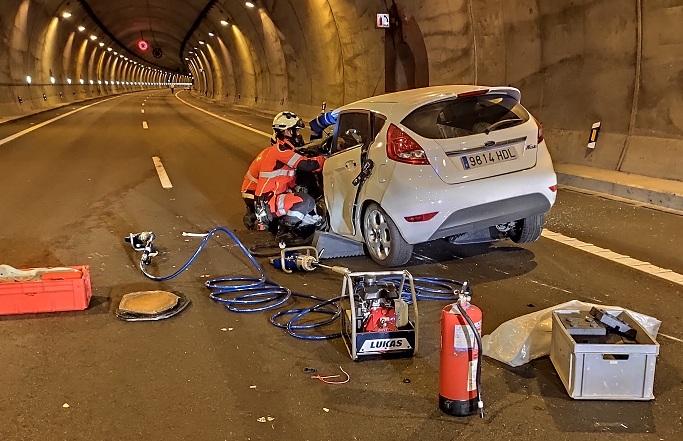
<point>383,241</point>
<point>528,229</point>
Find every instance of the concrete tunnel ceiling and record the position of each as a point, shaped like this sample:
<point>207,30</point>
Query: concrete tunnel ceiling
<point>162,23</point>
<point>576,62</point>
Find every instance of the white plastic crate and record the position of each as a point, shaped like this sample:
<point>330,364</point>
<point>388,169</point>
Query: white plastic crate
<point>592,371</point>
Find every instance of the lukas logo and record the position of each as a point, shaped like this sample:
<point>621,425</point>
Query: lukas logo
<point>384,344</point>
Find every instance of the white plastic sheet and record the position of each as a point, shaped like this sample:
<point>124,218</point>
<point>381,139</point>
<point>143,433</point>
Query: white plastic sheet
<point>525,338</point>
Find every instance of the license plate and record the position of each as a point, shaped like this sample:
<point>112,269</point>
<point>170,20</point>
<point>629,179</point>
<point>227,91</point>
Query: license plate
<point>487,158</point>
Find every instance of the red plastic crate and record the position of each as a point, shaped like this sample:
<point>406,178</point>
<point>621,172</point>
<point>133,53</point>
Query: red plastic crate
<point>70,291</point>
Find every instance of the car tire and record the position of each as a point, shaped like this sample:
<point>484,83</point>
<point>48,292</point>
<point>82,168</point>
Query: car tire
<point>528,229</point>
<point>383,242</point>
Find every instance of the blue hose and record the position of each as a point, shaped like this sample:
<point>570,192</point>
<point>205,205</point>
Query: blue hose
<point>257,294</point>
<point>247,294</point>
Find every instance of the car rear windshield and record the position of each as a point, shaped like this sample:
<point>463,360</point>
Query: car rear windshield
<point>456,117</point>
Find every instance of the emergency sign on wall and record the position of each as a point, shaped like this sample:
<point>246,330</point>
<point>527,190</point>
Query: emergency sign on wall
<point>382,21</point>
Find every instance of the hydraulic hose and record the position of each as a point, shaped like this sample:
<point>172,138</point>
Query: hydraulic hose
<point>247,294</point>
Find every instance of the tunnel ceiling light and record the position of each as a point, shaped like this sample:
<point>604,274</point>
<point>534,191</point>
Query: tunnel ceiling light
<point>187,59</point>
<point>201,42</point>
<point>224,22</point>
<point>28,79</point>
<point>53,80</point>
<point>81,28</point>
<point>101,44</point>
<point>68,80</point>
<point>211,34</point>
<point>249,4</point>
<point>93,37</point>
<point>81,81</point>
<point>66,14</point>
<point>99,81</point>
<point>109,49</point>
<point>92,82</point>
<point>106,82</point>
<point>116,53</point>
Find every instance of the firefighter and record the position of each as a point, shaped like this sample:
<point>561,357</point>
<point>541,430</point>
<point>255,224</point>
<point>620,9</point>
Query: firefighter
<point>249,188</point>
<point>276,180</point>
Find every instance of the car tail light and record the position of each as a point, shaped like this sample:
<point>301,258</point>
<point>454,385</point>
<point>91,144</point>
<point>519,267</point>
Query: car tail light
<point>403,148</point>
<point>540,131</point>
<point>421,217</point>
<point>553,188</point>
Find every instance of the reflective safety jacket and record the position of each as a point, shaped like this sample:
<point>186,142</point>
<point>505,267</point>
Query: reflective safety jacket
<point>251,177</point>
<point>277,173</point>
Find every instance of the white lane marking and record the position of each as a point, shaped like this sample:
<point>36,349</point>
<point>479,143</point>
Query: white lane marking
<point>50,121</point>
<point>161,171</point>
<point>646,267</point>
<point>143,104</point>
<point>142,110</point>
<point>670,337</point>
<point>144,125</point>
<point>235,123</point>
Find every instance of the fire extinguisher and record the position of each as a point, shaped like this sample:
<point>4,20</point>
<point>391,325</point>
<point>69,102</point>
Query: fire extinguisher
<point>460,371</point>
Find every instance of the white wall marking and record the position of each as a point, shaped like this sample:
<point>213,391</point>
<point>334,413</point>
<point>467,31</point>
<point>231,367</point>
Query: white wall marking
<point>161,171</point>
<point>50,121</point>
<point>623,259</point>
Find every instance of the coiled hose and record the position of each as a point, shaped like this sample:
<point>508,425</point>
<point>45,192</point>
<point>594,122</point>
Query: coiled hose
<point>247,294</point>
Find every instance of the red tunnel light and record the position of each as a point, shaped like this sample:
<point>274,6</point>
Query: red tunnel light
<point>143,45</point>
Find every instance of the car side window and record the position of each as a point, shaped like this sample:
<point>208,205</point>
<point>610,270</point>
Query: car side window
<point>353,129</point>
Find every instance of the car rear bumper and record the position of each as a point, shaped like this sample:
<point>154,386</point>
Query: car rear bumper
<point>479,217</point>
<point>467,207</point>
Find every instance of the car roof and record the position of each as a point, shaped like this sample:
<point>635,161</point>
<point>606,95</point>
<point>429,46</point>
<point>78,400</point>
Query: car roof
<point>396,105</point>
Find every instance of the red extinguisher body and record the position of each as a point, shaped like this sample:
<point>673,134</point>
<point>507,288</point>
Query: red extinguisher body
<point>459,359</point>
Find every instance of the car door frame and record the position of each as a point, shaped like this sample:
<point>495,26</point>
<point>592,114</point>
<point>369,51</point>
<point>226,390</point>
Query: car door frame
<point>348,185</point>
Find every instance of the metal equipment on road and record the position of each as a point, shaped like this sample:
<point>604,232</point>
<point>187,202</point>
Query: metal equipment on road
<point>376,323</point>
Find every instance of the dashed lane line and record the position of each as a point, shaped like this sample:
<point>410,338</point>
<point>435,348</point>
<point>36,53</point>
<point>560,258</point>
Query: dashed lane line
<point>50,121</point>
<point>142,110</point>
<point>145,125</point>
<point>622,259</point>
<point>639,265</point>
<point>161,171</point>
<point>229,121</point>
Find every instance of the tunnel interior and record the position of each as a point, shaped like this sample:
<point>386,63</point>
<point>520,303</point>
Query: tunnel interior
<point>577,62</point>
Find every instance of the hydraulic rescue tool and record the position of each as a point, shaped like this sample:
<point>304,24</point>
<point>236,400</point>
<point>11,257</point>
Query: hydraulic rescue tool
<point>376,321</point>
<point>376,324</point>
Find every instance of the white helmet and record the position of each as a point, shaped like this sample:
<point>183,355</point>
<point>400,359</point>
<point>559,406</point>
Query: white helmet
<point>287,120</point>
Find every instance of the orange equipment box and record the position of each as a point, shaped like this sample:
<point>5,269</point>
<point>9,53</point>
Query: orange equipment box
<point>57,291</point>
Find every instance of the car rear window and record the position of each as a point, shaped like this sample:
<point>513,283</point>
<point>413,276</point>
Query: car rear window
<point>456,117</point>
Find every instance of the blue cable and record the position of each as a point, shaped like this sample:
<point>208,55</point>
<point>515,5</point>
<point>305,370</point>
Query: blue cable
<point>247,294</point>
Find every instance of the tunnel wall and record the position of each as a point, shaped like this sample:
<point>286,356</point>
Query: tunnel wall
<point>619,62</point>
<point>577,62</point>
<point>36,41</point>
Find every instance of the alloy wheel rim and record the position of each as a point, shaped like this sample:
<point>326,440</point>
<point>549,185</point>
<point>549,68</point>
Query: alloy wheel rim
<point>377,234</point>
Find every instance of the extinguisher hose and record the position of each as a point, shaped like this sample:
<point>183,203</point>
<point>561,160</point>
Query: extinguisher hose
<point>470,323</point>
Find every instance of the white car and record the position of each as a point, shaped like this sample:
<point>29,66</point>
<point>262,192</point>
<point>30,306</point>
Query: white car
<point>462,163</point>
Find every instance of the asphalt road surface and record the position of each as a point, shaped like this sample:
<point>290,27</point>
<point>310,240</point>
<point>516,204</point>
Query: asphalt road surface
<point>69,192</point>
